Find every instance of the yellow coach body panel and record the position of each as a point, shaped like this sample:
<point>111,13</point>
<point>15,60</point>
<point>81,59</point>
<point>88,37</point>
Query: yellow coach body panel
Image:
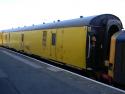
<point>14,41</point>
<point>5,39</point>
<point>28,41</point>
<point>8,39</point>
<point>35,44</point>
<point>67,45</point>
<point>74,46</point>
<point>52,38</point>
<point>59,44</point>
<point>1,39</point>
<point>46,43</point>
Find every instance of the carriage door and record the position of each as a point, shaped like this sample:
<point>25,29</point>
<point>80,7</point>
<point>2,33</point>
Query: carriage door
<point>53,44</point>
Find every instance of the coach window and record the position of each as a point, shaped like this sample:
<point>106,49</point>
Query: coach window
<point>53,39</point>
<point>44,38</point>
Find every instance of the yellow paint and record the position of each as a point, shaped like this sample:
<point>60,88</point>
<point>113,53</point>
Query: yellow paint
<point>5,39</point>
<point>1,40</point>
<point>46,47</point>
<point>112,53</point>
<point>33,43</point>
<point>74,46</point>
<point>21,41</point>
<point>14,41</point>
<point>70,46</point>
<point>52,47</point>
<point>27,43</point>
<point>3,36</point>
<point>59,44</point>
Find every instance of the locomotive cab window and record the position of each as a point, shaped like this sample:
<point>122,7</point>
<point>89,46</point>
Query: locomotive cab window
<point>53,39</point>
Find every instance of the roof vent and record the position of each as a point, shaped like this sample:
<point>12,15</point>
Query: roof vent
<point>43,22</point>
<point>81,16</point>
<point>32,24</point>
<point>54,21</point>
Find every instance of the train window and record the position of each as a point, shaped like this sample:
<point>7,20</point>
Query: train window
<point>53,39</point>
<point>44,38</point>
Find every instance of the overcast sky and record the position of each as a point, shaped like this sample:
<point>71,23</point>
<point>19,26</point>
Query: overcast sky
<point>14,13</point>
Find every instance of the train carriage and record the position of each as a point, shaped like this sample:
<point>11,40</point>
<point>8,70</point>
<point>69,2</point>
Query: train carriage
<point>82,43</point>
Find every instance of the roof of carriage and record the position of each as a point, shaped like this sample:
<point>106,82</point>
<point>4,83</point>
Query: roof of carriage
<point>95,21</point>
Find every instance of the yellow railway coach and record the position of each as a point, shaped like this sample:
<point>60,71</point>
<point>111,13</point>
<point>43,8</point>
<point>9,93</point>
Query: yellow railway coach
<point>82,43</point>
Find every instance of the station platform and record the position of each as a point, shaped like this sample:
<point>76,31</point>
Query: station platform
<point>20,74</point>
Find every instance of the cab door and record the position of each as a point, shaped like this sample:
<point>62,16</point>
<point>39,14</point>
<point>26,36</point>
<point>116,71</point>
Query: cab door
<point>53,44</point>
